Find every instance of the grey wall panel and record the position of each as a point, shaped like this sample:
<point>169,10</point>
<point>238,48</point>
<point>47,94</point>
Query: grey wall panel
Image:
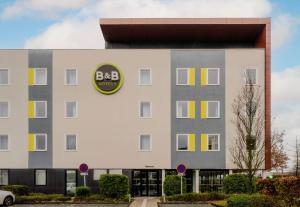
<point>198,59</point>
<point>41,59</point>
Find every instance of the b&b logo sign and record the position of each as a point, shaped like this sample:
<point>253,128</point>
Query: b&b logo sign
<point>108,79</point>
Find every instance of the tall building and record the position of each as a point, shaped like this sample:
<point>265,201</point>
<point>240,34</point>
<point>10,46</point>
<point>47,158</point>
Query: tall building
<point>160,94</point>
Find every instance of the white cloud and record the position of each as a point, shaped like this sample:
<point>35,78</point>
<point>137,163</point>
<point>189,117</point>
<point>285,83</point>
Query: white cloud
<point>44,8</point>
<point>79,31</point>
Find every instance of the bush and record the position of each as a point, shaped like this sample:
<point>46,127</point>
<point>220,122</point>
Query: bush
<point>236,183</point>
<point>288,189</point>
<point>172,185</point>
<point>16,189</point>
<point>197,197</point>
<point>114,186</point>
<point>83,191</point>
<point>254,200</point>
<point>267,187</point>
<point>40,198</point>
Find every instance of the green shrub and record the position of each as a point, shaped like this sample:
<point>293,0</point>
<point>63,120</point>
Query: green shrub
<point>254,200</point>
<point>114,186</point>
<point>40,197</point>
<point>288,189</point>
<point>16,189</point>
<point>196,197</point>
<point>83,191</point>
<point>236,183</point>
<point>172,185</point>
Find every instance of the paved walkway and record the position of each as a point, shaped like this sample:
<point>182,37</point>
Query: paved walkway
<point>145,202</point>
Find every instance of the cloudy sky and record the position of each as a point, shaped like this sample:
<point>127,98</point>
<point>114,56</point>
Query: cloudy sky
<point>74,24</point>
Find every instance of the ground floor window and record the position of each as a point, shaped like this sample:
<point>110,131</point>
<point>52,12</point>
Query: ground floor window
<point>3,177</point>
<point>71,182</point>
<point>211,180</point>
<point>40,177</point>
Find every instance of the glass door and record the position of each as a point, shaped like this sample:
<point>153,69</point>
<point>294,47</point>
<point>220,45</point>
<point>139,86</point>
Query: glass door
<point>153,184</point>
<point>71,182</point>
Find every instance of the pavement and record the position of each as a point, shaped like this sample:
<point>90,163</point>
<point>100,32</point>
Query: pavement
<point>145,202</point>
<point>64,205</point>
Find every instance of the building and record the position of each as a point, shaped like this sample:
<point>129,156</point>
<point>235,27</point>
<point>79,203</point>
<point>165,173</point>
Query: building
<point>159,95</point>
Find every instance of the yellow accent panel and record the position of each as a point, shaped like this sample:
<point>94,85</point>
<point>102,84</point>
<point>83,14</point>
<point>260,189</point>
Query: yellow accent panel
<point>31,76</point>
<point>192,140</point>
<point>192,109</point>
<point>203,76</point>
<point>31,143</point>
<point>31,109</point>
<point>203,109</point>
<point>192,76</point>
<point>203,142</point>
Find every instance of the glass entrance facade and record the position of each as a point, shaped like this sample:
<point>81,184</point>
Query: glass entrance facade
<point>146,182</point>
<point>211,180</point>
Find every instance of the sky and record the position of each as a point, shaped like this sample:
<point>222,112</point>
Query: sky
<point>74,24</point>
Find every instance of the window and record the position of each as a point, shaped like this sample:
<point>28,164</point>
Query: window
<point>251,76</point>
<point>182,76</point>
<point>98,173</point>
<point>40,177</point>
<point>4,76</point>
<point>71,109</point>
<point>145,142</point>
<point>3,142</point>
<point>40,142</point>
<point>182,142</point>
<point>40,109</point>
<point>213,142</point>
<point>115,171</point>
<point>4,109</point>
<point>145,77</point>
<point>40,76</point>
<point>71,142</point>
<point>3,177</point>
<point>71,77</point>
<point>213,76</point>
<point>213,108</point>
<point>182,109</point>
<point>145,110</point>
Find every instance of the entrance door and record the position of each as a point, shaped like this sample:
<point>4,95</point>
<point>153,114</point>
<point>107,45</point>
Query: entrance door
<point>70,182</point>
<point>146,183</point>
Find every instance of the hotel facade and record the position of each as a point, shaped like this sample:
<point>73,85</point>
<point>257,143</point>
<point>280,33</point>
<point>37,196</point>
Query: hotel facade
<point>160,94</point>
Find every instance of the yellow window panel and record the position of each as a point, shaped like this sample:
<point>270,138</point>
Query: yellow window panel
<point>192,140</point>
<point>203,146</point>
<point>31,143</point>
<point>192,76</point>
<point>31,76</point>
<point>192,109</point>
<point>31,109</point>
<point>203,76</point>
<point>203,109</point>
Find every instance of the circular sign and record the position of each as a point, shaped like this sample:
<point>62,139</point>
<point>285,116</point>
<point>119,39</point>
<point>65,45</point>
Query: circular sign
<point>107,79</point>
<point>83,168</point>
<point>181,168</point>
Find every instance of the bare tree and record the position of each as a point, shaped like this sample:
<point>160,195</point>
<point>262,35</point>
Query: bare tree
<point>279,155</point>
<point>249,148</point>
<point>297,158</point>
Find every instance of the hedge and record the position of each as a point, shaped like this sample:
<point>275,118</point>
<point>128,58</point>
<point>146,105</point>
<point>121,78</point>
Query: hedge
<point>114,186</point>
<point>40,198</point>
<point>197,197</point>
<point>16,189</point>
<point>266,187</point>
<point>83,191</point>
<point>236,183</point>
<point>253,200</point>
<point>172,185</point>
<point>288,189</point>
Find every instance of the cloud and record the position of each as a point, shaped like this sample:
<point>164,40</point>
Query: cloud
<point>80,30</point>
<point>44,8</point>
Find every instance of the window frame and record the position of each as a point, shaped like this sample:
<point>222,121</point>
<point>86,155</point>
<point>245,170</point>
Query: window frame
<point>46,78</point>
<point>140,107</point>
<point>188,77</point>
<point>7,177</point>
<point>76,114</point>
<point>67,150</point>
<point>35,143</point>
<point>8,77</point>
<point>256,75</point>
<point>46,177</point>
<point>188,142</point>
<point>188,110</point>
<point>140,138</point>
<point>218,142</point>
<point>219,114</point>
<point>65,81</point>
<point>46,110</point>
<point>8,109</point>
<point>148,84</point>
<point>8,143</point>
<point>218,77</point>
